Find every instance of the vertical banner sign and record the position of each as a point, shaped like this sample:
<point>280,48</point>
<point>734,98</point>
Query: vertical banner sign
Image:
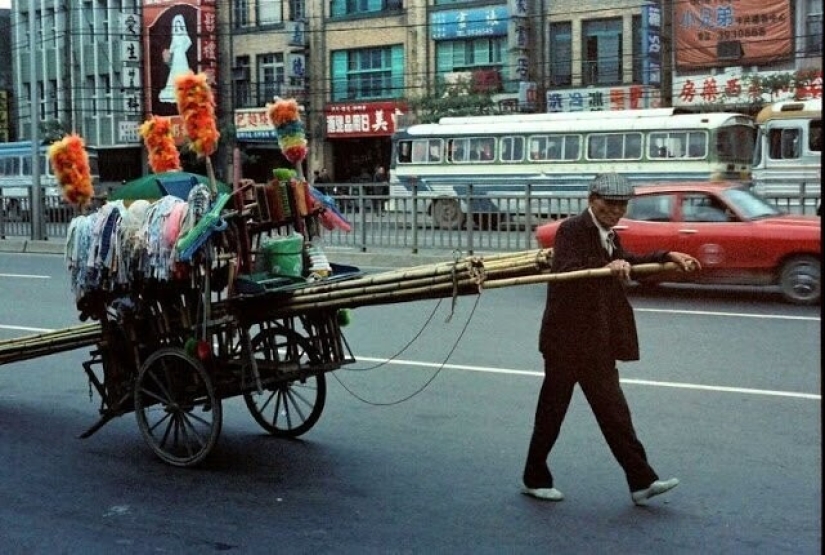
<point>651,42</point>
<point>180,36</point>
<point>518,41</point>
<point>131,79</point>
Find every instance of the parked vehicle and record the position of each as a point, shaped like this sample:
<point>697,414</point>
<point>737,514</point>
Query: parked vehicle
<point>739,237</point>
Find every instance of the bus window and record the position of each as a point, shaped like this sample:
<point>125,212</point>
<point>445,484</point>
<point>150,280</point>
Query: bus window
<point>537,148</point>
<point>482,150</point>
<point>633,146</point>
<point>435,150</point>
<point>815,135</point>
<point>459,150</point>
<point>572,147</point>
<point>512,149</point>
<point>404,152</point>
<point>419,151</point>
<point>784,144</point>
<point>697,145</point>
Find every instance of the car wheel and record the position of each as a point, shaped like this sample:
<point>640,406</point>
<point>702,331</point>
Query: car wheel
<point>800,280</point>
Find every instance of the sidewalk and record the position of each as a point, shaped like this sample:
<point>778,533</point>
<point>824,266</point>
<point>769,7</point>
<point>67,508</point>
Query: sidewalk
<point>375,258</point>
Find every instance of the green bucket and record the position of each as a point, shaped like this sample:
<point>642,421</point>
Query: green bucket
<point>284,255</point>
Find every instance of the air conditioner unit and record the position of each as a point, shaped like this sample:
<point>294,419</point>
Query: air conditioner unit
<point>729,50</point>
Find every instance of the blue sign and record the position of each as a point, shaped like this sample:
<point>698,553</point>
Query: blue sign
<point>652,44</point>
<point>467,24</point>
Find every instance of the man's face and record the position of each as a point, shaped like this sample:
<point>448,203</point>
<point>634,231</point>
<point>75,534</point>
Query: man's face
<point>608,212</point>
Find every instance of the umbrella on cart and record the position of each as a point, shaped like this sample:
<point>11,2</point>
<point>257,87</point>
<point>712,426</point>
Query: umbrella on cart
<point>155,185</point>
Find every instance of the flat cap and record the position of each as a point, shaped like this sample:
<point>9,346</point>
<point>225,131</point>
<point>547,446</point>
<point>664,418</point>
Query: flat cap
<point>611,186</point>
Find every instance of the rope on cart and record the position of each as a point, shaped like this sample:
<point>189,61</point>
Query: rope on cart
<point>431,378</point>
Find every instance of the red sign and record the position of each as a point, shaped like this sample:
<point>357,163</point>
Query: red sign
<point>179,36</point>
<point>362,119</point>
<point>713,33</point>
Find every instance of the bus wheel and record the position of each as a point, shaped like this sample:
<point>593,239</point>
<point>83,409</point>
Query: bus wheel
<point>447,213</point>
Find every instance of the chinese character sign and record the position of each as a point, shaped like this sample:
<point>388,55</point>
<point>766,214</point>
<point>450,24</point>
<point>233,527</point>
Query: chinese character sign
<point>367,119</point>
<point>631,97</point>
<point>464,24</point>
<point>651,37</point>
<point>732,32</point>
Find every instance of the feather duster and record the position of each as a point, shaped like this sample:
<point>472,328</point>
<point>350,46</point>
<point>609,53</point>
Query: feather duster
<point>70,165</point>
<point>157,136</point>
<point>196,105</point>
<point>285,116</point>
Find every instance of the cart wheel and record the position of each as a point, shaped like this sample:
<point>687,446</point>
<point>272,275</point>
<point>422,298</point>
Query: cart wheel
<point>291,407</point>
<point>177,410</point>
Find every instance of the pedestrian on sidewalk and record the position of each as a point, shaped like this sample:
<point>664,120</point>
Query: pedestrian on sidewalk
<point>588,325</point>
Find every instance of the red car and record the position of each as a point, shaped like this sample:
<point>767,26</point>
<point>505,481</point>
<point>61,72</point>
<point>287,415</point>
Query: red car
<point>739,237</point>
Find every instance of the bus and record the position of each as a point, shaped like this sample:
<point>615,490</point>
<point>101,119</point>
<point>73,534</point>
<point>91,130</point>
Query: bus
<point>558,154</point>
<point>788,155</point>
<point>16,177</point>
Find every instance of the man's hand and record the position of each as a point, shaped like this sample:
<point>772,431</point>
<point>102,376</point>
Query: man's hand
<point>620,268</point>
<point>686,262</point>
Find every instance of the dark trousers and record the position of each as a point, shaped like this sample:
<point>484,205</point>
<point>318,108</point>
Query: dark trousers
<point>600,385</point>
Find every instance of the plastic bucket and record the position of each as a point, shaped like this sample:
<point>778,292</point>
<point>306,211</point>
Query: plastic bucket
<point>284,255</point>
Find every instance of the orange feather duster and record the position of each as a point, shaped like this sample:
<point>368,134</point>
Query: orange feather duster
<point>70,165</point>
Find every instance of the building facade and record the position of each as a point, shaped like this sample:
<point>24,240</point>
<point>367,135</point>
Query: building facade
<point>103,66</point>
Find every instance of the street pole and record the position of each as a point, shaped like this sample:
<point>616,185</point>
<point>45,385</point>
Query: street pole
<point>36,207</point>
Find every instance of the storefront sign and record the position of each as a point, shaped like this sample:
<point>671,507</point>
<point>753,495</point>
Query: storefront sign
<point>734,87</point>
<point>365,119</point>
<point>714,33</point>
<point>608,98</point>
<point>470,23</point>
<point>253,124</point>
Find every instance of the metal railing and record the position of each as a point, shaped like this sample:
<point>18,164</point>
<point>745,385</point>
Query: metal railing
<point>380,221</point>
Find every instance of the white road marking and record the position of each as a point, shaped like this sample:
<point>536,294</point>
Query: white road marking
<point>730,314</point>
<point>25,276</point>
<point>680,385</point>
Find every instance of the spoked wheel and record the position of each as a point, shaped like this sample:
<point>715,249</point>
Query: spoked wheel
<point>288,407</point>
<point>177,410</point>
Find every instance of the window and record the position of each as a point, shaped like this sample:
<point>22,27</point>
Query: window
<point>677,145</point>
<point>458,150</point>
<point>815,135</point>
<point>423,151</point>
<point>638,50</point>
<point>297,10</point>
<point>368,73</point>
<point>602,52</point>
<point>512,149</point>
<point>463,55</point>
<point>270,76</point>
<point>240,79</point>
<point>703,208</point>
<point>352,7</point>
<point>269,12</point>
<point>561,54</point>
<point>813,28</point>
<point>784,143</point>
<point>240,13</point>
<point>650,208</point>
<point>615,146</point>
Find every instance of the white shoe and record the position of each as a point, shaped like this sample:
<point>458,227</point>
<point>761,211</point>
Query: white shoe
<point>656,488</point>
<point>545,494</point>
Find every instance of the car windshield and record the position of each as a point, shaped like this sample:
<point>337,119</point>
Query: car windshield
<point>749,204</point>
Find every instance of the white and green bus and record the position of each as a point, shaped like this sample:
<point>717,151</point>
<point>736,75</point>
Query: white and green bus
<point>788,155</point>
<point>463,164</point>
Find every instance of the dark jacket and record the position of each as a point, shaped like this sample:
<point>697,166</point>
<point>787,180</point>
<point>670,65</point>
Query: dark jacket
<point>589,319</point>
